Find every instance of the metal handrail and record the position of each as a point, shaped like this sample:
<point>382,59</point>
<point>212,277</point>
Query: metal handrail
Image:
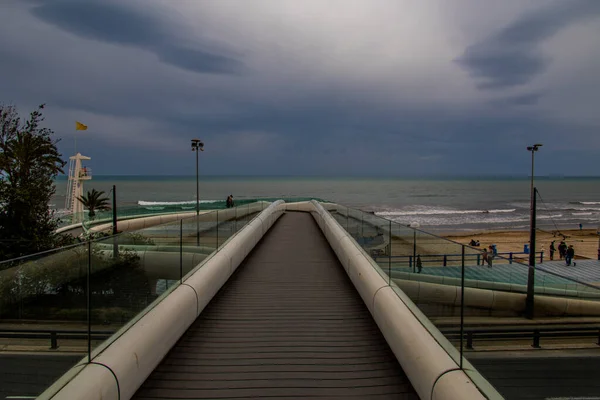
<point>536,333</point>
<point>53,335</point>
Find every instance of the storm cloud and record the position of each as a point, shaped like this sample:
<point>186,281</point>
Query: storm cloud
<point>340,87</point>
<point>513,56</point>
<point>118,23</point>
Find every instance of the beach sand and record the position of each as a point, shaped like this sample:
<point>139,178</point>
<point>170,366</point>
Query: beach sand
<point>585,242</point>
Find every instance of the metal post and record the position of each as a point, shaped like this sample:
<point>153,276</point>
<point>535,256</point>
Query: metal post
<point>536,339</point>
<point>390,257</point>
<point>114,206</point>
<point>180,251</point>
<point>89,303</point>
<point>529,301</point>
<point>414,249</point>
<point>114,222</point>
<point>53,341</point>
<point>217,230</point>
<point>462,304</point>
<point>598,232</point>
<point>197,204</point>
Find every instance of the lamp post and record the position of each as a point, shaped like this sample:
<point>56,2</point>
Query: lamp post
<point>531,274</point>
<point>197,146</point>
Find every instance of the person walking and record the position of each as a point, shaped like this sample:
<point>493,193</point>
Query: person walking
<point>562,249</point>
<point>569,255</point>
<point>419,264</point>
<point>490,257</point>
<point>484,256</point>
<point>552,250</point>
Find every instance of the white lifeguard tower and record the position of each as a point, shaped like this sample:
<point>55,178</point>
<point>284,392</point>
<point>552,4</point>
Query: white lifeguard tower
<point>77,174</point>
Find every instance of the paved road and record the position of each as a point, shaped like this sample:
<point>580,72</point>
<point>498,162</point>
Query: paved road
<point>533,376</point>
<point>31,374</point>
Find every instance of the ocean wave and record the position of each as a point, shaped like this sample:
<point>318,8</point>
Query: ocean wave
<point>583,213</point>
<point>442,212</point>
<point>586,203</point>
<point>174,203</point>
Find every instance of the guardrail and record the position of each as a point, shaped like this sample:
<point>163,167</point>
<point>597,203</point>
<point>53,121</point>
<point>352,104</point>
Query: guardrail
<point>446,258</point>
<point>54,335</point>
<point>535,333</point>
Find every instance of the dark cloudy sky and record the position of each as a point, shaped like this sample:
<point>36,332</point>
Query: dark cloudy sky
<point>378,87</point>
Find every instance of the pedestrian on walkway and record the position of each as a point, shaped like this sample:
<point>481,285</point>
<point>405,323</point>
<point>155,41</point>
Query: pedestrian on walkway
<point>552,250</point>
<point>562,249</point>
<point>569,256</point>
<point>419,264</point>
<point>490,257</point>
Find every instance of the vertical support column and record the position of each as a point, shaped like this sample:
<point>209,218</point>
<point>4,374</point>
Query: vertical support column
<point>180,251</point>
<point>390,257</point>
<point>89,303</point>
<point>114,222</point>
<point>414,257</point>
<point>462,304</point>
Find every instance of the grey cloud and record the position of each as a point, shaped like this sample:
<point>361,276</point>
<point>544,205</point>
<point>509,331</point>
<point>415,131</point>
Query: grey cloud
<point>528,99</point>
<point>512,57</point>
<point>122,25</point>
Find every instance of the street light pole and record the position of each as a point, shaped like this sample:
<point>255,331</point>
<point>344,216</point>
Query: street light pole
<point>529,301</point>
<point>197,146</point>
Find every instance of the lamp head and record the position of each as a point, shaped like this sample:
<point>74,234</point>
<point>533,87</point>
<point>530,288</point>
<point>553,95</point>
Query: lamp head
<point>197,145</point>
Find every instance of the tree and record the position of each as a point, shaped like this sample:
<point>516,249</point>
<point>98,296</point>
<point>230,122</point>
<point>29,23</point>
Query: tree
<point>93,201</point>
<point>29,162</point>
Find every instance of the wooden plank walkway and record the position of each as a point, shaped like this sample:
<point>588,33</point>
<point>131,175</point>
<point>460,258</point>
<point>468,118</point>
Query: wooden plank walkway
<point>288,324</point>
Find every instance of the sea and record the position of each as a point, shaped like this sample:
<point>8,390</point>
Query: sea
<point>440,205</point>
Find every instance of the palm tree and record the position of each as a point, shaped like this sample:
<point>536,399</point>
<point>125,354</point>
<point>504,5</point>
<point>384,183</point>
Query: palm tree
<point>94,202</point>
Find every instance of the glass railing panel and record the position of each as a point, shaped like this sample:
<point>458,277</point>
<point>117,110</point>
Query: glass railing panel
<point>125,279</point>
<point>208,230</point>
<point>43,309</point>
<point>128,274</point>
<point>403,255</point>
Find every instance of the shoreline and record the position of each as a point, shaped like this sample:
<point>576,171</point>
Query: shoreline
<point>585,241</point>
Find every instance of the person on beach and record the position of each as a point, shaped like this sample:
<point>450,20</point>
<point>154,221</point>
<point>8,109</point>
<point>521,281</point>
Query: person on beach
<point>229,202</point>
<point>552,250</point>
<point>569,256</point>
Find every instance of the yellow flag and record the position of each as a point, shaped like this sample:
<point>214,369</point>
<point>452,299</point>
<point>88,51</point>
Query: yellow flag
<point>79,126</point>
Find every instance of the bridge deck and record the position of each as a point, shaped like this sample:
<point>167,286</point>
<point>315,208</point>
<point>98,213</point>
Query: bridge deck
<point>289,323</point>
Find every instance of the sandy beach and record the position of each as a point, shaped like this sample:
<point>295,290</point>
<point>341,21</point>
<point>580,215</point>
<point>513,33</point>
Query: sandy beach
<point>584,241</point>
